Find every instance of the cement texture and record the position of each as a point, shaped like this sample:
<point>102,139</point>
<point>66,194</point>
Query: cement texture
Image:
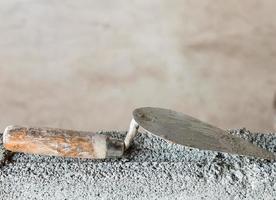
<point>151,169</point>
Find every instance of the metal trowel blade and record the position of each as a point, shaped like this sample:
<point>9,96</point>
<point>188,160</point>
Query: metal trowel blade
<point>188,131</point>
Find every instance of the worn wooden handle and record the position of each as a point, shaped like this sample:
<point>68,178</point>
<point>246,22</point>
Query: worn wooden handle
<point>60,142</point>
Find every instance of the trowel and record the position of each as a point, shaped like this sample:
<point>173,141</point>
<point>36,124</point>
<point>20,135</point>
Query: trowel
<point>169,125</point>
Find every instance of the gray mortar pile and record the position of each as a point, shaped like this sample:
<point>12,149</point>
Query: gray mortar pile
<point>151,169</point>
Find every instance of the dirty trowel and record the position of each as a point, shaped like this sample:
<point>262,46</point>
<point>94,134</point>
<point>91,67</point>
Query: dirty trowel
<point>185,130</point>
<point>167,124</point>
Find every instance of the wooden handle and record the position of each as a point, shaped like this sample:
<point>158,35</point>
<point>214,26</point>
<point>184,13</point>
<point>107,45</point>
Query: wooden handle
<point>60,142</point>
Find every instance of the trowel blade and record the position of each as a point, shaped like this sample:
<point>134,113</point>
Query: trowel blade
<point>188,131</point>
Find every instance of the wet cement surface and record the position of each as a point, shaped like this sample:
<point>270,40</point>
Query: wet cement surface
<point>151,169</point>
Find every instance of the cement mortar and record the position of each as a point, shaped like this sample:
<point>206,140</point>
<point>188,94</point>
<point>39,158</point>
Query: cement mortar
<point>151,169</point>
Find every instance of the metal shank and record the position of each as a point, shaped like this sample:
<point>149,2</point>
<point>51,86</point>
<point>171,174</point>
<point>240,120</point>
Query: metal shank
<point>132,131</point>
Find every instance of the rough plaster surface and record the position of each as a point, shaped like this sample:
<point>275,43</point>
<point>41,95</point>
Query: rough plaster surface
<point>151,169</point>
<point>74,61</point>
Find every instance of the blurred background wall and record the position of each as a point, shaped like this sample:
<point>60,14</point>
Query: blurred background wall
<point>87,64</point>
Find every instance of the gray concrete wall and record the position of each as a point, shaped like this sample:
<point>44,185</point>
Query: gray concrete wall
<point>72,63</point>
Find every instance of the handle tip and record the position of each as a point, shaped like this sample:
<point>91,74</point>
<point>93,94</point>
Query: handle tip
<point>6,133</point>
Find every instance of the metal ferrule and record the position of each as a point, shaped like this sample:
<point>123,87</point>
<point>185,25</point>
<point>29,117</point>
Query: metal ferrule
<point>115,147</point>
